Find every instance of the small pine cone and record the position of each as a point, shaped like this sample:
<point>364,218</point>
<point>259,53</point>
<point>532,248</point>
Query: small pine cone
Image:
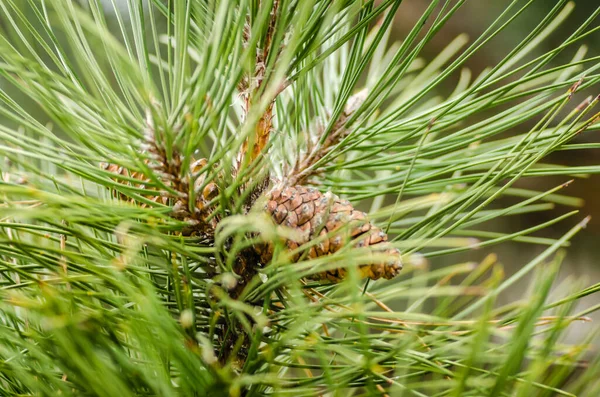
<point>119,170</point>
<point>204,194</point>
<point>335,222</point>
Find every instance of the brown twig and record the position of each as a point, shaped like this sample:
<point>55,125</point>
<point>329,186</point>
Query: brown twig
<point>251,91</point>
<point>250,88</point>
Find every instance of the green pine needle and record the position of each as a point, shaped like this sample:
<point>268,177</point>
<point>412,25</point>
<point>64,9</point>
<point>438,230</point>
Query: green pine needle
<point>105,292</point>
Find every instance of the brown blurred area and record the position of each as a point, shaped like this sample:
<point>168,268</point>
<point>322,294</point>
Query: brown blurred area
<point>581,264</point>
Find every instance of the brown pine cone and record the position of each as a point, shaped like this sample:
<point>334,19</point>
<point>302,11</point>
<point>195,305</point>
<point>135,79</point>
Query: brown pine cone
<point>119,170</point>
<point>204,193</point>
<point>315,215</point>
<point>209,191</point>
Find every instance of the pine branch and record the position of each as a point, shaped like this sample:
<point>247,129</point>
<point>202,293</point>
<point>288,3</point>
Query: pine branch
<point>175,270</point>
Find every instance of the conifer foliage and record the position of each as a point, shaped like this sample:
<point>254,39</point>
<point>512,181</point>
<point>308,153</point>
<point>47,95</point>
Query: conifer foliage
<point>250,197</point>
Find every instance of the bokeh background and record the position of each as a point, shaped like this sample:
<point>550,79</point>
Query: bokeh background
<point>581,263</point>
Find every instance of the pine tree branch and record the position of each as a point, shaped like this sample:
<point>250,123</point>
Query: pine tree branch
<point>90,285</point>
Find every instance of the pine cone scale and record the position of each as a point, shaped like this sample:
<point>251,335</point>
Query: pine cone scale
<point>335,223</point>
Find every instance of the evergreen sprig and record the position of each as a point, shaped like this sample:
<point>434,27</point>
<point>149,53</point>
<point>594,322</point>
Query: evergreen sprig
<point>138,282</point>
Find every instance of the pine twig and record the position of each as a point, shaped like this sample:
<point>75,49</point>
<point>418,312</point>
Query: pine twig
<point>250,88</point>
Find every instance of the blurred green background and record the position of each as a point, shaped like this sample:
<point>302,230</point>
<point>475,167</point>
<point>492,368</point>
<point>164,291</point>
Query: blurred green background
<point>581,263</point>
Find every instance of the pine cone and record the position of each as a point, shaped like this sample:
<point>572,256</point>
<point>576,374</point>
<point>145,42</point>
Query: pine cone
<point>204,193</point>
<point>119,170</point>
<point>318,215</point>
<point>209,191</point>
